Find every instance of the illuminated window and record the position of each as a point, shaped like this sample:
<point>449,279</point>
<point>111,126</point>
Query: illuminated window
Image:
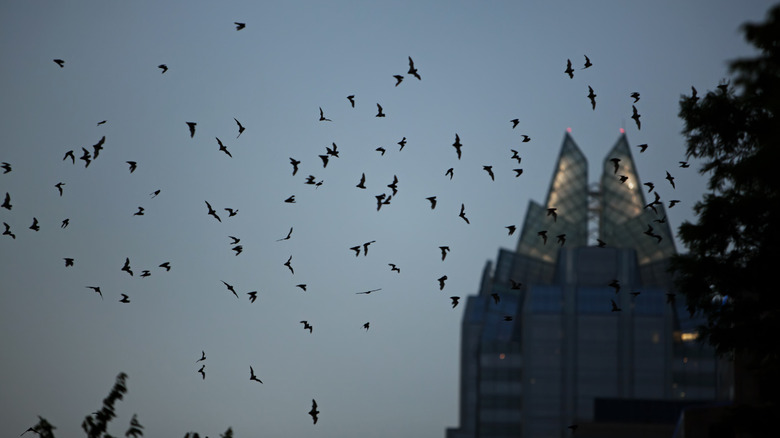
<point>687,337</point>
<point>656,338</point>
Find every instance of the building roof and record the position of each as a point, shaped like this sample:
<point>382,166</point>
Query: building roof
<point>623,214</point>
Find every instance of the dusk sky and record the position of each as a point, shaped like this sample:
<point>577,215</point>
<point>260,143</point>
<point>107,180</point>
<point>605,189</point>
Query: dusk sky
<point>481,65</point>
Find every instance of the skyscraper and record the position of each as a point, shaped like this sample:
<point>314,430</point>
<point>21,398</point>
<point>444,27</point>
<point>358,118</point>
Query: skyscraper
<point>582,309</point>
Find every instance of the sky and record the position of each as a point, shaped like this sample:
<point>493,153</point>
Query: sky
<point>481,65</point>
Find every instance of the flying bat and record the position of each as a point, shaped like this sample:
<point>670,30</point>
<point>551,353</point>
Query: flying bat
<point>295,164</point>
<point>365,247</point>
<point>413,71</point>
<point>394,185</point>
<point>289,234</point>
<point>252,375</point>
<point>314,412</point>
<point>441,280</point>
<point>223,148</point>
<point>240,127</point>
<point>457,146</point>
<point>636,117</point>
<point>126,267</point>
<point>463,213</point>
<point>489,170</point>
<point>212,212</point>
<point>59,186</point>
<point>569,71</point>
<point>289,265</point>
<point>592,97</point>
<point>230,288</point>
<point>97,290</point>
<point>616,164</point>
<point>670,178</point>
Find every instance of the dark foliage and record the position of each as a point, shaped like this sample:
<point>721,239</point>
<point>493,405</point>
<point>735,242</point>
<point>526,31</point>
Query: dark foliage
<point>728,274</point>
<point>734,248</point>
<point>96,424</point>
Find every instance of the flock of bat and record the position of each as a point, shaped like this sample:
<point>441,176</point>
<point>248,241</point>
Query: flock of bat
<point>552,211</point>
<point>382,199</point>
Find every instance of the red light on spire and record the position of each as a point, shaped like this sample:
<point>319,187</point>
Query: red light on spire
<point>622,131</point>
<point>568,130</point>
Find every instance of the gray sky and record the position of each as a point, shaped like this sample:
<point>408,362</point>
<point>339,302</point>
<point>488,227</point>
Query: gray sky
<point>482,64</point>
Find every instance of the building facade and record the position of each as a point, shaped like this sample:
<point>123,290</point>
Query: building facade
<point>558,324</point>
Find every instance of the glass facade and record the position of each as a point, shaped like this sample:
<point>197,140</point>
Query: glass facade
<point>568,195</point>
<point>625,215</point>
<point>536,361</point>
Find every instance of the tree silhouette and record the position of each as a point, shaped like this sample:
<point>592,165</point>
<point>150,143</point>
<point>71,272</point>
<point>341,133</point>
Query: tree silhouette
<point>728,274</point>
<point>96,424</point>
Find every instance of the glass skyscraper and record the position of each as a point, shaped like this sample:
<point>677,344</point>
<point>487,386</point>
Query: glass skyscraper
<point>559,323</point>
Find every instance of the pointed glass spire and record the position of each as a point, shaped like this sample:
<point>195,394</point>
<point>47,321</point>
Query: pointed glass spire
<point>568,195</point>
<point>625,214</point>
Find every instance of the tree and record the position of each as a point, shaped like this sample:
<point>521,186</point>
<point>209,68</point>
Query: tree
<point>728,274</point>
<point>95,425</point>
